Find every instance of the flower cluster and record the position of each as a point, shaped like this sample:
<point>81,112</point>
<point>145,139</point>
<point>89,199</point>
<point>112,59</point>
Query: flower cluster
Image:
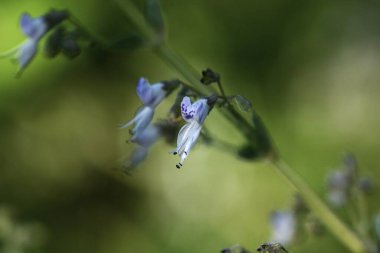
<point>34,29</point>
<point>63,38</point>
<point>144,133</point>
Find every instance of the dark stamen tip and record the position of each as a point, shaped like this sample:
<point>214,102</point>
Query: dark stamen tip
<point>174,153</point>
<point>177,166</point>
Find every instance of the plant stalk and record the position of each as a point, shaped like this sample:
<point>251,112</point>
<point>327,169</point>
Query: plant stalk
<point>331,221</point>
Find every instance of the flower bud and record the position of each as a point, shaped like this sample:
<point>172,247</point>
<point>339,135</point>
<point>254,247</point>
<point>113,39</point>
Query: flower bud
<point>53,43</point>
<point>70,47</point>
<point>55,17</point>
<point>365,185</point>
<point>209,77</point>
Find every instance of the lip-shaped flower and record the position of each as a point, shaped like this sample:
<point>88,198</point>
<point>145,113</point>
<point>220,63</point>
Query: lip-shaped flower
<point>34,29</point>
<point>194,114</point>
<point>151,96</point>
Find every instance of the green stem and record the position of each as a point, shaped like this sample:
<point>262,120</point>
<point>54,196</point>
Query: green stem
<point>336,226</point>
<point>222,91</point>
<point>331,221</point>
<point>188,72</point>
<point>179,63</point>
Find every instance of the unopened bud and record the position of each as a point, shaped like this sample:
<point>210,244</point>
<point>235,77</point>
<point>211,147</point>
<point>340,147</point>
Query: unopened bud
<point>53,43</point>
<point>365,185</point>
<point>171,85</point>
<point>70,47</point>
<point>55,17</point>
<point>211,100</point>
<point>209,77</point>
<point>351,165</point>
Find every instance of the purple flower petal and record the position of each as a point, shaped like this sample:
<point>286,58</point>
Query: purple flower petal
<point>196,111</point>
<point>187,110</point>
<point>201,109</point>
<point>26,23</point>
<point>138,156</point>
<point>34,28</point>
<point>144,91</point>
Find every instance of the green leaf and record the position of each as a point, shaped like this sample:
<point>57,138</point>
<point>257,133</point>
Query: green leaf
<point>260,146</point>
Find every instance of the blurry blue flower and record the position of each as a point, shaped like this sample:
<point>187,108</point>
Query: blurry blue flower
<point>138,156</point>
<point>283,227</point>
<point>144,140</point>
<point>34,29</point>
<point>339,183</point>
<point>194,114</point>
<point>147,137</point>
<point>151,96</point>
<point>365,184</point>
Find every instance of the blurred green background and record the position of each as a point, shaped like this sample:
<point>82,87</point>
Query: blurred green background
<point>310,68</point>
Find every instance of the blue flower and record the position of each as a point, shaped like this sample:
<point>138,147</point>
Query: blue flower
<point>194,114</point>
<point>144,141</point>
<point>34,29</point>
<point>283,227</point>
<point>138,156</point>
<point>147,137</point>
<point>151,96</point>
<point>338,184</point>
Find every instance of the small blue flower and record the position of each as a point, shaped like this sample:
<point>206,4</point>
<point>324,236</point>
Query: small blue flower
<point>138,156</point>
<point>34,29</point>
<point>147,137</point>
<point>151,96</point>
<point>194,114</point>
<point>283,227</point>
<point>144,141</point>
